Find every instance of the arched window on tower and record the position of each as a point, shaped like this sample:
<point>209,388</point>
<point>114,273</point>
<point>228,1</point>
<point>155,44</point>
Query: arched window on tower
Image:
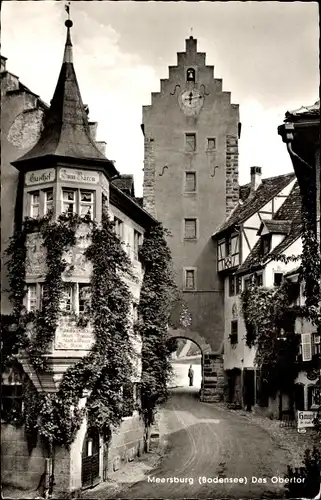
<point>190,75</point>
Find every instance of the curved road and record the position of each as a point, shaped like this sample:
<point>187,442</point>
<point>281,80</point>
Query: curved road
<point>208,442</point>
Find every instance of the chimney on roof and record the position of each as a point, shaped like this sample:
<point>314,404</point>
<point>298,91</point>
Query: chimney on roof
<point>256,173</point>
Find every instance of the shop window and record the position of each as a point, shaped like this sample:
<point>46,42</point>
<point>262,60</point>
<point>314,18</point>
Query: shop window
<point>190,143</point>
<point>190,75</point>
<point>189,279</point>
<point>190,182</point>
<point>190,229</point>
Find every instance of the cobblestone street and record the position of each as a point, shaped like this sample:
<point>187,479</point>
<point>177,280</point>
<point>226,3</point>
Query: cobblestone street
<point>207,441</point>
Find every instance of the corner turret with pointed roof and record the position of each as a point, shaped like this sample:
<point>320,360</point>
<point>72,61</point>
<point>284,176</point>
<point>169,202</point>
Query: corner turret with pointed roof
<point>66,134</point>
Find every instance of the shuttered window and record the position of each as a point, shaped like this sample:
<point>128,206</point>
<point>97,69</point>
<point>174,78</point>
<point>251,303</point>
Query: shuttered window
<point>306,346</point>
<point>190,229</point>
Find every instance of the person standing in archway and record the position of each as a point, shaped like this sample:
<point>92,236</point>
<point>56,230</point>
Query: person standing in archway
<point>191,375</point>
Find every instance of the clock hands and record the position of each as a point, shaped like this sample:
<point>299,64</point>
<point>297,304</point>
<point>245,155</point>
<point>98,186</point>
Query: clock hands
<point>191,97</point>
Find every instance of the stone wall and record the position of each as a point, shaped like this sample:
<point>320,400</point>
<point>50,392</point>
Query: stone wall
<point>126,443</point>
<point>213,379</point>
<point>232,184</point>
<point>19,467</point>
<point>149,176</point>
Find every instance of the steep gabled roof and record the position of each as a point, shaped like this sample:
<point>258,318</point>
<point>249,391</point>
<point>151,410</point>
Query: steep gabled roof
<point>276,226</point>
<point>291,209</point>
<point>126,183</point>
<point>268,188</point>
<point>66,132</point>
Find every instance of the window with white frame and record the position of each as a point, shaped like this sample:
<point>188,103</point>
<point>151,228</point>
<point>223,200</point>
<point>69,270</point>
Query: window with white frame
<point>34,204</point>
<point>259,279</point>
<point>32,299</point>
<point>79,202</point>
<point>86,203</point>
<point>137,242</point>
<point>48,201</point>
<point>119,228</point>
<point>66,303</point>
<point>69,201</point>
<point>306,346</point>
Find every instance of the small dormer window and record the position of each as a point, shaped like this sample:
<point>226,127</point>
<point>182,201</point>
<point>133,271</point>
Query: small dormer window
<point>190,75</point>
<point>266,244</point>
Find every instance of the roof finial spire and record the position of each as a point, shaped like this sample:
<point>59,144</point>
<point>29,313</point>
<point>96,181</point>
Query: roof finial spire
<point>191,36</point>
<point>68,46</point>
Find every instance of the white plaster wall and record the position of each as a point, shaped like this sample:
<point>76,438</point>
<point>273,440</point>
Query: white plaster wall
<point>76,453</point>
<point>279,267</point>
<point>233,355</point>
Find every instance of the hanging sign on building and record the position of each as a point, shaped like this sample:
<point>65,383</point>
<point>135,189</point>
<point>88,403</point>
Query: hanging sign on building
<point>306,418</point>
<point>83,176</point>
<point>40,176</point>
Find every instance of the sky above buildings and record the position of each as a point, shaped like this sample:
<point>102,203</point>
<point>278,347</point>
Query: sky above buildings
<point>265,52</point>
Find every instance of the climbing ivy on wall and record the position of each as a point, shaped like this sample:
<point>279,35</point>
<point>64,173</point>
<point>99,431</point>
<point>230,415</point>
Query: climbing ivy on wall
<point>267,311</point>
<point>269,320</point>
<point>109,365</point>
<point>157,296</point>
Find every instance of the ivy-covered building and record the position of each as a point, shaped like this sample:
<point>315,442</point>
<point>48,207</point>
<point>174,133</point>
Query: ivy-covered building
<point>72,362</point>
<point>255,249</point>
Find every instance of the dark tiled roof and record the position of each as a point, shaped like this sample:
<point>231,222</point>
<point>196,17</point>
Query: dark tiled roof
<point>278,226</point>
<point>126,183</point>
<point>290,208</point>
<point>268,188</point>
<point>244,191</point>
<point>66,130</point>
<point>304,112</point>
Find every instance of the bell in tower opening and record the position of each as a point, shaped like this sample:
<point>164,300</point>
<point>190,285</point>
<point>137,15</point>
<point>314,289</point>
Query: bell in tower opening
<point>190,75</point>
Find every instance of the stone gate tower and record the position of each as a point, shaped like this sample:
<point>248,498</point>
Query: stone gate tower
<point>191,132</point>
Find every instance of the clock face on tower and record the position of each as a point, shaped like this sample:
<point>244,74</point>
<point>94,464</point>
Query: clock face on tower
<point>191,101</point>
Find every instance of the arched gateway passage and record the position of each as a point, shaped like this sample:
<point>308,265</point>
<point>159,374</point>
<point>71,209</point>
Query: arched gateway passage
<point>212,373</point>
<point>180,333</point>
